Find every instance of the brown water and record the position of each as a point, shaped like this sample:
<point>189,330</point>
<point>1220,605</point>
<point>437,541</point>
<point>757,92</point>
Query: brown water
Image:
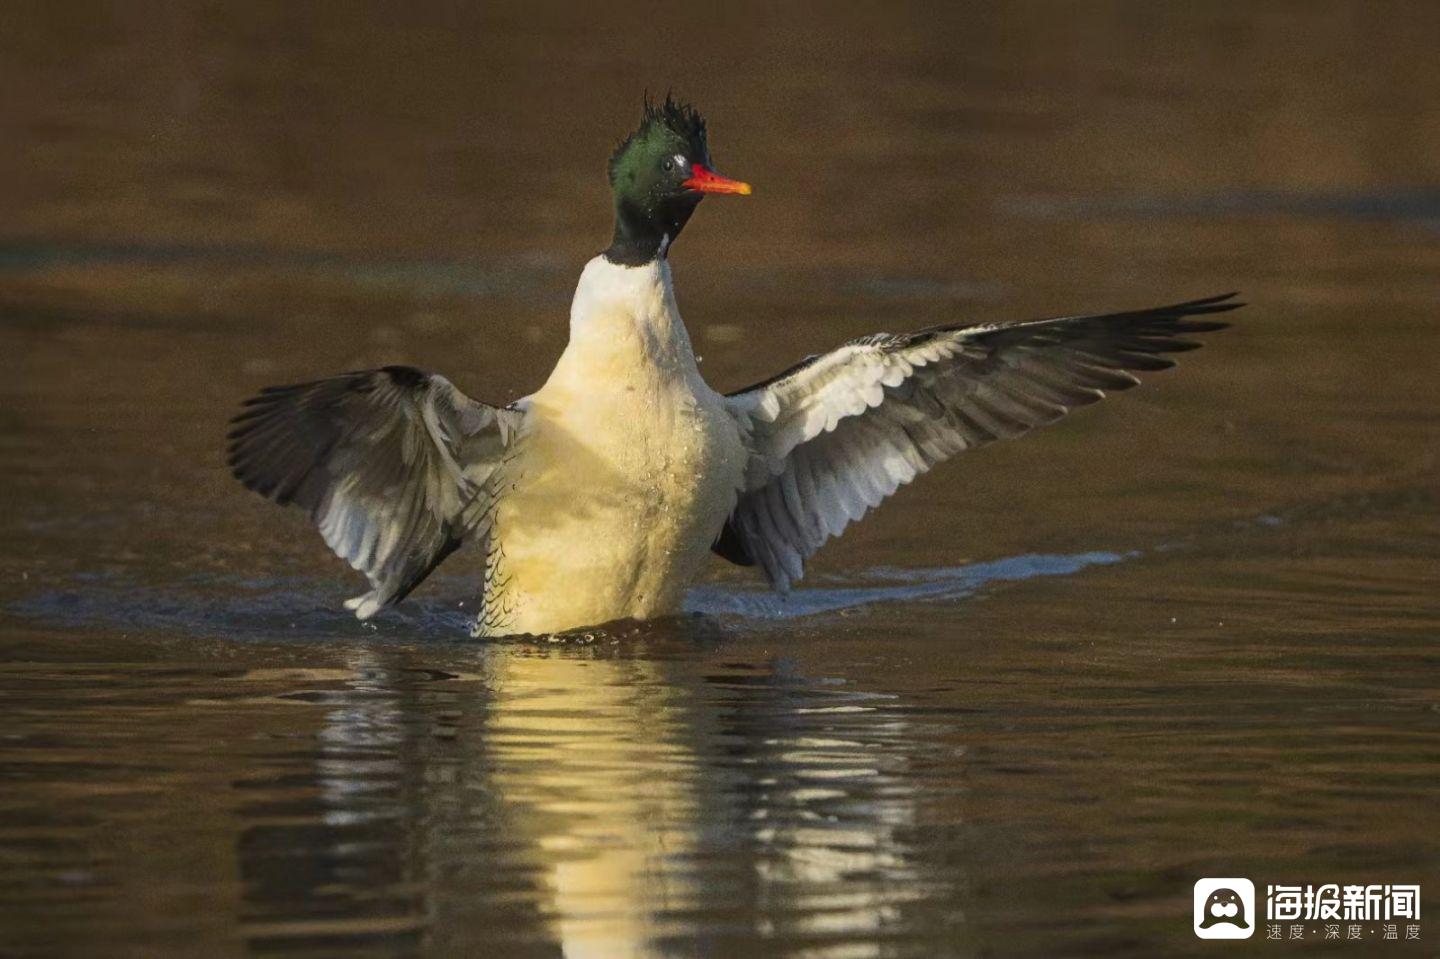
<point>1018,712</point>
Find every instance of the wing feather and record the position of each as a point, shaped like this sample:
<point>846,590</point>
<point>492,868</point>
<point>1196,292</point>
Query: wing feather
<point>837,433</point>
<point>391,464</point>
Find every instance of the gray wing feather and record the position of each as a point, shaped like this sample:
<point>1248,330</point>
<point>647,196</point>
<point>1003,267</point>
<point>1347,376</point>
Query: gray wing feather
<point>391,464</point>
<point>833,436</point>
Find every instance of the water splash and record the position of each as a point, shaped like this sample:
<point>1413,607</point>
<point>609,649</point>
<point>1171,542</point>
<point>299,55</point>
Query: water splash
<point>268,609</point>
<point>892,585</point>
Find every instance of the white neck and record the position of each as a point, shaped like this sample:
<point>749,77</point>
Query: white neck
<point>625,317</point>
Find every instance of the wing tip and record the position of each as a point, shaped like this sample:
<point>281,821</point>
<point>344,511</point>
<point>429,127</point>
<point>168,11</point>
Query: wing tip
<point>1219,303</point>
<point>364,606</point>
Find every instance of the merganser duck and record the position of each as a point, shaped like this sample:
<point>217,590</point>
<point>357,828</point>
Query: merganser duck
<point>600,496</point>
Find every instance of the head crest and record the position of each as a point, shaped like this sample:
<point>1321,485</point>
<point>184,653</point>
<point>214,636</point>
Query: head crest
<point>680,121</point>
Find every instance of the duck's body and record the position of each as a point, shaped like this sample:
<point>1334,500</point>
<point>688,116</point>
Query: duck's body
<point>600,496</point>
<point>625,469</point>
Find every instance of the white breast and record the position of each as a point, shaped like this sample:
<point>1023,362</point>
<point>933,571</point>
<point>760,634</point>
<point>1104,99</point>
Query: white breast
<point>628,466</point>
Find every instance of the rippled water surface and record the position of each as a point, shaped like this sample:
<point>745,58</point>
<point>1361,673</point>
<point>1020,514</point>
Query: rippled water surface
<point>1019,711</point>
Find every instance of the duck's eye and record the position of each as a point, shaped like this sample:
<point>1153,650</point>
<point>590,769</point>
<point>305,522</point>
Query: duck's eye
<point>668,165</point>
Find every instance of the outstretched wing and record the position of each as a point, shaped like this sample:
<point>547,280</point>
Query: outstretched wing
<point>836,434</point>
<point>391,464</point>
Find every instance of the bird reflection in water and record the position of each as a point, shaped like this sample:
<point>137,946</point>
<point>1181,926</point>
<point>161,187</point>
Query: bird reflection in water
<point>609,798</point>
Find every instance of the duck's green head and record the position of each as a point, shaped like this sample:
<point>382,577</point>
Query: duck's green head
<point>659,175</point>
